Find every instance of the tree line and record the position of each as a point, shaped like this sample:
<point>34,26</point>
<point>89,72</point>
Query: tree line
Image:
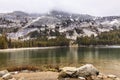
<point>39,42</point>
<point>104,38</point>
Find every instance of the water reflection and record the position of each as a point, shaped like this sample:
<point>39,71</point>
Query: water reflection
<point>18,58</point>
<point>103,58</point>
<point>62,55</point>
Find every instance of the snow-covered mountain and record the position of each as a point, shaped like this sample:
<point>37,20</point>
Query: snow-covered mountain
<point>21,25</point>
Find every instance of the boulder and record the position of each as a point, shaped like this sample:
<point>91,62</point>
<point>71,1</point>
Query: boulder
<point>87,70</point>
<point>7,76</point>
<point>68,72</point>
<point>3,72</point>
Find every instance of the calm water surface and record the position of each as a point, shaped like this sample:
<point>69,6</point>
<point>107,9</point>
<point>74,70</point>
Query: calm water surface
<point>105,59</point>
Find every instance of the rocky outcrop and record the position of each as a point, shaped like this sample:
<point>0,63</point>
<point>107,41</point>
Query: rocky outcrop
<point>69,70</point>
<point>86,72</point>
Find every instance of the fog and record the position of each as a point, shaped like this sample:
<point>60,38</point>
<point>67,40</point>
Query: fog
<point>92,7</point>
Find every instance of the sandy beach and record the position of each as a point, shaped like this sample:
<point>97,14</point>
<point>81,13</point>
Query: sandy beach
<point>38,76</point>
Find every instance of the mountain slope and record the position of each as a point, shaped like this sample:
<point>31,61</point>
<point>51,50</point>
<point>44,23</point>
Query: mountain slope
<point>56,23</point>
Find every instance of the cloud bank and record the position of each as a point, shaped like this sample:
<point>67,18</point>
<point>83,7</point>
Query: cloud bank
<point>92,7</point>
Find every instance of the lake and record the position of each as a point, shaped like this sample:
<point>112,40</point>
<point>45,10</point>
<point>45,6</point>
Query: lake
<point>107,60</point>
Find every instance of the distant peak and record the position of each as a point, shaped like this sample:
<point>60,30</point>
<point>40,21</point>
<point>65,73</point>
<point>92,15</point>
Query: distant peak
<point>58,11</point>
<point>21,13</point>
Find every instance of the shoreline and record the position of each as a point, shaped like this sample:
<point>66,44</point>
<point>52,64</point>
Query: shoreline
<point>101,46</point>
<point>29,48</point>
<point>53,47</point>
<point>85,72</point>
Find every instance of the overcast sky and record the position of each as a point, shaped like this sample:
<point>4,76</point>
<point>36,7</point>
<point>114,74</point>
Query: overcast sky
<point>92,7</point>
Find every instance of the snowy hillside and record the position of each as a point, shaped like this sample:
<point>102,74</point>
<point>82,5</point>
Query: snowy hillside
<point>20,25</point>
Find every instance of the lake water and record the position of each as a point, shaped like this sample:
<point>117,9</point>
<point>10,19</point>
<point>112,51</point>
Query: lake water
<point>107,60</point>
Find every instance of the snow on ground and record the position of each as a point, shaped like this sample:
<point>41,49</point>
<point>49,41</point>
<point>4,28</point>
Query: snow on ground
<point>89,33</point>
<point>103,30</point>
<point>31,22</point>
<point>74,36</point>
<point>115,22</point>
<point>21,33</point>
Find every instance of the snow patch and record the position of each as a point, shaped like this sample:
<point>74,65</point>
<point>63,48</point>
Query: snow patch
<point>89,33</point>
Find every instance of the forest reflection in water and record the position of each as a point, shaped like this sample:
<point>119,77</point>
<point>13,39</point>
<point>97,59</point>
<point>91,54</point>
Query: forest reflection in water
<point>103,58</point>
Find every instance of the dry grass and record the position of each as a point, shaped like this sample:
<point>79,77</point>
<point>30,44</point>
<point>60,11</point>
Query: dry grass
<point>53,68</point>
<point>20,68</point>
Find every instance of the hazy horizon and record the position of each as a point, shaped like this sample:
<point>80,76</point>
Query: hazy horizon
<point>91,7</point>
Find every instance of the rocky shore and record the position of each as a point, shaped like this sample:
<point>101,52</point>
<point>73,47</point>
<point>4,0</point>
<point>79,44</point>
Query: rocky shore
<point>86,72</point>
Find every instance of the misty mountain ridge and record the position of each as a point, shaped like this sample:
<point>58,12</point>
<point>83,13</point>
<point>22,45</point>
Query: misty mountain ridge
<point>21,25</point>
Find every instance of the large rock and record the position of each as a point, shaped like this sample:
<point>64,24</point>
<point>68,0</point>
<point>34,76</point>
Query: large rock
<point>68,72</point>
<point>86,71</point>
<point>7,76</point>
<point>3,72</point>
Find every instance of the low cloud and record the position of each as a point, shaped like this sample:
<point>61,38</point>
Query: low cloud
<point>92,7</point>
